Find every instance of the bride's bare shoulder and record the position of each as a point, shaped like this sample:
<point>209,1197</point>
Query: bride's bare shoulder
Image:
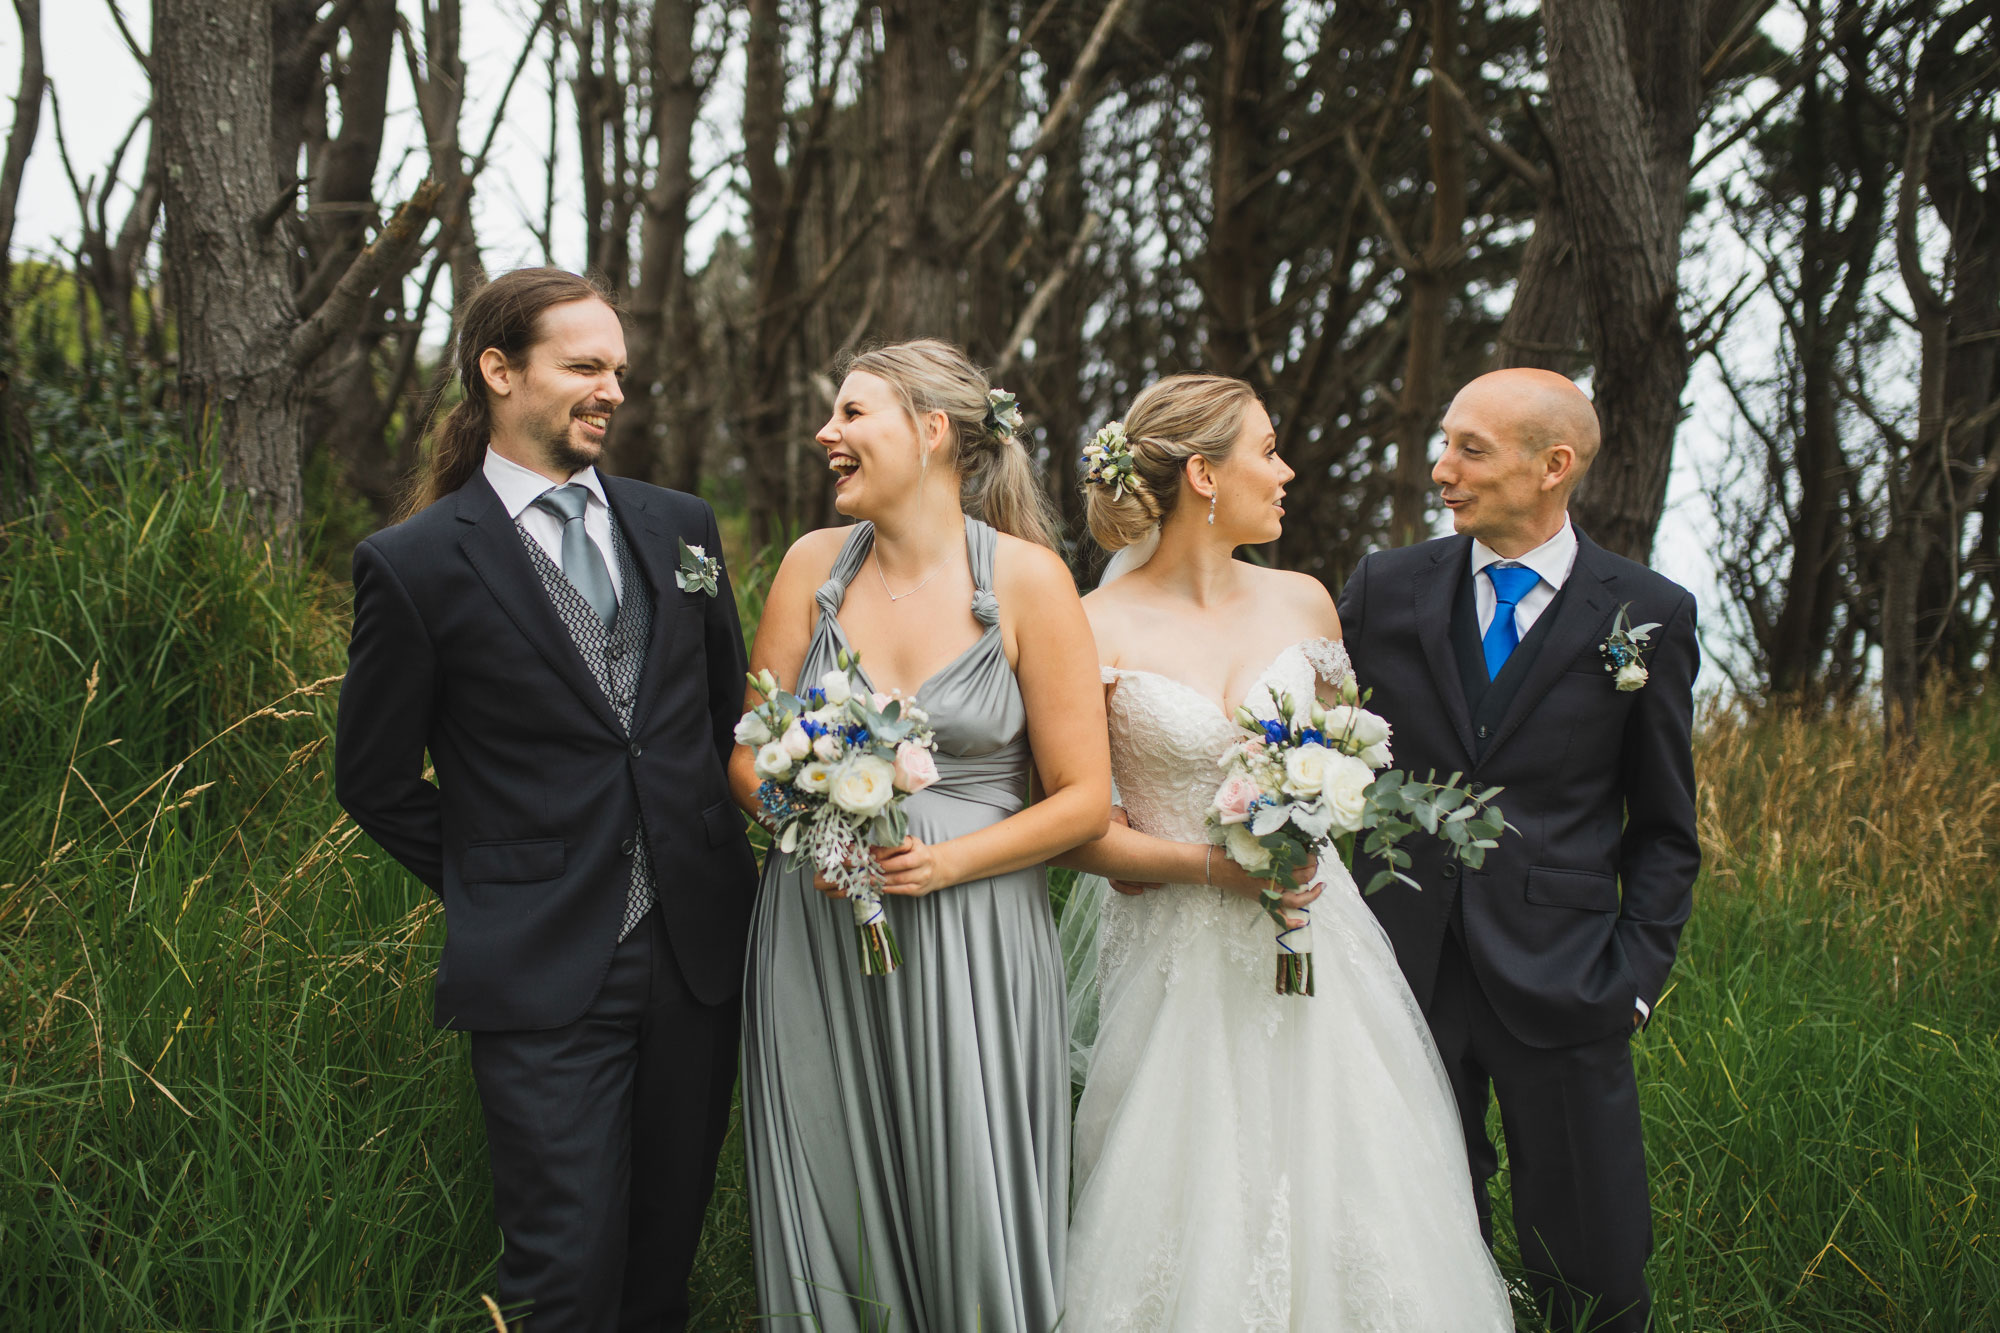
<point>1302,596</point>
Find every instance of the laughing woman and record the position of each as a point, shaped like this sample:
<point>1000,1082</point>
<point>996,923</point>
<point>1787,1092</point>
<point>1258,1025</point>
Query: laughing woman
<point>907,1136</point>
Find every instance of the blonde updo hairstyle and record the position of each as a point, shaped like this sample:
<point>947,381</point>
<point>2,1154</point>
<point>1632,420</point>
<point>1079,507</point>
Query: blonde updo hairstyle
<point>996,479</point>
<point>1171,421</point>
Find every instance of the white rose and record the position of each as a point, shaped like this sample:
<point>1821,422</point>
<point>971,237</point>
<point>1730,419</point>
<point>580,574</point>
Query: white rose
<point>815,777</point>
<point>1345,721</point>
<point>863,785</point>
<point>1376,756</point>
<point>1347,780</point>
<point>697,553</point>
<point>827,747</point>
<point>835,685</point>
<point>1305,769</point>
<point>774,762</point>
<point>751,731</point>
<point>797,744</point>
<point>1245,850</point>
<point>1630,677</point>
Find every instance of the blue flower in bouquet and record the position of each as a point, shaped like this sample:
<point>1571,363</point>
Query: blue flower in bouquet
<point>813,730</point>
<point>1275,732</point>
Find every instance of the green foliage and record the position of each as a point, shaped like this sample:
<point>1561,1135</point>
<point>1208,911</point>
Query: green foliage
<point>223,1105</point>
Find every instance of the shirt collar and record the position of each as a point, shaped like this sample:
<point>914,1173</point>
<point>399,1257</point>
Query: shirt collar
<point>1552,560</point>
<point>519,487</point>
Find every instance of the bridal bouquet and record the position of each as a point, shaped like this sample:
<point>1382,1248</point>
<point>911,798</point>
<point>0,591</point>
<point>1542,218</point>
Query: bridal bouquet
<point>836,763</point>
<point>1315,776</point>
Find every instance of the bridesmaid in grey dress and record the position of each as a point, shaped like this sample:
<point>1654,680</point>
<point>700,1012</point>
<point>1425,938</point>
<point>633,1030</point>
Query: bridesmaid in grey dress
<point>907,1136</point>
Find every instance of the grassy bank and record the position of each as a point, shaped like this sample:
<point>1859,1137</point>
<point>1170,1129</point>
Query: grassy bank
<point>222,1105</point>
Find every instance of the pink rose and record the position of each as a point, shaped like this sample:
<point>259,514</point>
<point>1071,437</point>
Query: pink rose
<point>1251,749</point>
<point>1232,799</point>
<point>915,769</point>
<point>880,700</point>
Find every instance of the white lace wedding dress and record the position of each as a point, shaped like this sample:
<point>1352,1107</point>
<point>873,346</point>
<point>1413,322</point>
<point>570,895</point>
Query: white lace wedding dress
<point>1246,1160</point>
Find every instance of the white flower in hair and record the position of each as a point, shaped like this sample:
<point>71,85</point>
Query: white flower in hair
<point>1003,415</point>
<point>1107,459</point>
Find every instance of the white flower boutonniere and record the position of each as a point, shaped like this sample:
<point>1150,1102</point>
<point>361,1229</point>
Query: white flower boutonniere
<point>699,571</point>
<point>1624,651</point>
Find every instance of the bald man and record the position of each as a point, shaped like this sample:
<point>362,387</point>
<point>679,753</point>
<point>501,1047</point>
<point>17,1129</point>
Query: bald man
<point>1486,652</point>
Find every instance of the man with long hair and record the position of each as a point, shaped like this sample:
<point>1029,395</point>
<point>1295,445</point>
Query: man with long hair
<point>564,646</point>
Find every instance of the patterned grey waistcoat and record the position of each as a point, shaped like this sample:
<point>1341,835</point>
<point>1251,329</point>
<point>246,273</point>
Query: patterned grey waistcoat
<point>614,657</point>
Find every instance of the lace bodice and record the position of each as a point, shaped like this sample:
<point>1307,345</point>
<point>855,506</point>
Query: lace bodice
<point>1167,735</point>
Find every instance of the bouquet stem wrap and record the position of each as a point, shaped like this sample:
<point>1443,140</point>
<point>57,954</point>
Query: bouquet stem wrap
<point>879,954</point>
<point>1295,953</point>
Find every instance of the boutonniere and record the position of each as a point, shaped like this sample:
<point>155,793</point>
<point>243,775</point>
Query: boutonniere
<point>699,571</point>
<point>1624,651</point>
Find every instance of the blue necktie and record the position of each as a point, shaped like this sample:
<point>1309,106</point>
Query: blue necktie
<point>1510,584</point>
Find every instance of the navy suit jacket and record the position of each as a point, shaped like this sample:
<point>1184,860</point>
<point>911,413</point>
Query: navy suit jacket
<point>526,832</point>
<point>1580,912</point>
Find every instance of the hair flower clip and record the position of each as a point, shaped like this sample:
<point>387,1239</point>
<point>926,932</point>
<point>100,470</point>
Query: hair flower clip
<point>1003,415</point>
<point>1107,459</point>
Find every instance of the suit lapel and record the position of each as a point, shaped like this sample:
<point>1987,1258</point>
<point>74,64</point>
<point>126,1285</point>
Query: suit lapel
<point>1590,595</point>
<point>1435,585</point>
<point>652,545</point>
<point>492,544</point>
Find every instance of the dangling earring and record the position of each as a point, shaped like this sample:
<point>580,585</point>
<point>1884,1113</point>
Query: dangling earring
<point>1211,509</point>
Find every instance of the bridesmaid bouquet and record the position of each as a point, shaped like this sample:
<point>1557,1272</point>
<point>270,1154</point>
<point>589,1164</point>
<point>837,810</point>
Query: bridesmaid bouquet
<point>836,763</point>
<point>1315,776</point>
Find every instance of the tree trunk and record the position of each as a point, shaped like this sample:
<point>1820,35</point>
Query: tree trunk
<point>765,414</point>
<point>1239,260</point>
<point>664,337</point>
<point>1623,88</point>
<point>921,287</point>
<point>1430,289</point>
<point>17,458</point>
<point>228,271</point>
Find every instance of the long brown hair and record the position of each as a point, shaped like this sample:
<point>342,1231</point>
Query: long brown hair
<point>505,314</point>
<point>996,481</point>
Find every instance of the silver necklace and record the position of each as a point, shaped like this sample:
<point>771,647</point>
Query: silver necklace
<point>899,596</point>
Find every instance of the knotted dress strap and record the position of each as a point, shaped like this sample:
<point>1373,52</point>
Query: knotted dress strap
<point>980,543</point>
<point>853,553</point>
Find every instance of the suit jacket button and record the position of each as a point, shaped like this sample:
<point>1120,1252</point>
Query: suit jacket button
<point>1484,732</point>
<point>636,751</point>
<point>1451,870</point>
<point>627,847</point>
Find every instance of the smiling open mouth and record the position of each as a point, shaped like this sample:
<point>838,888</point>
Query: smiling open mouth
<point>843,465</point>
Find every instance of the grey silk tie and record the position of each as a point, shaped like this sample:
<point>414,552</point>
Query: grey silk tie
<point>582,562</point>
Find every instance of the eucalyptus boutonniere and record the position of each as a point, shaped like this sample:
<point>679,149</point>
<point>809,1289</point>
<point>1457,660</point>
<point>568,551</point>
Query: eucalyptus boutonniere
<point>1624,651</point>
<point>699,571</point>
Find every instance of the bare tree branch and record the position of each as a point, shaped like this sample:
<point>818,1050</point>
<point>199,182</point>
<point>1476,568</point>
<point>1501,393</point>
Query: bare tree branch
<point>390,250</point>
<point>1045,293</point>
<point>1067,101</point>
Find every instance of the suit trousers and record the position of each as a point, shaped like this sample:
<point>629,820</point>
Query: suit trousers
<point>1576,1160</point>
<point>603,1136</point>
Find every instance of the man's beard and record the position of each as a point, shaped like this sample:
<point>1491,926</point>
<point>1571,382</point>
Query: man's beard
<point>564,452</point>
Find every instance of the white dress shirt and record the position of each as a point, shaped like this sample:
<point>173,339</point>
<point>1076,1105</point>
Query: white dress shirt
<point>1553,560</point>
<point>519,488</point>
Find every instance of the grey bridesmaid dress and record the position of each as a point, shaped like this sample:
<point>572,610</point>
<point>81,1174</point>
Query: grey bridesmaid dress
<point>907,1136</point>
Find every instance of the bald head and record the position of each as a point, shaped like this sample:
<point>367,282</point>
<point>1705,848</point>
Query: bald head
<point>1516,442</point>
<point>1539,408</point>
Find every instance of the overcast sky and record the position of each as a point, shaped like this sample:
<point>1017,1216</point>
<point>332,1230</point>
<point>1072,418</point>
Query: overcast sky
<point>101,90</point>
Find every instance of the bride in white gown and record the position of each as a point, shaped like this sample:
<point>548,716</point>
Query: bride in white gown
<point>1243,1160</point>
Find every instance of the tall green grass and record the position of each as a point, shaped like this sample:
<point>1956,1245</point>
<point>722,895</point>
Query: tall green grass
<point>223,1106</point>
